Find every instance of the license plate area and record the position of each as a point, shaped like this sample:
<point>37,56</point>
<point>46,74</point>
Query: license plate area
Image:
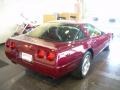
<point>26,57</point>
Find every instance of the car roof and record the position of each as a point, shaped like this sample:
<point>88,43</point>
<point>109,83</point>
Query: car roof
<point>70,22</point>
<point>66,21</point>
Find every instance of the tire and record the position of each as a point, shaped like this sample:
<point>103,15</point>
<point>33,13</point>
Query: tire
<point>84,66</point>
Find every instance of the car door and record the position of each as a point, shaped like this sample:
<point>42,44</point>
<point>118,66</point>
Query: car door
<point>103,38</point>
<point>77,46</point>
<point>98,39</point>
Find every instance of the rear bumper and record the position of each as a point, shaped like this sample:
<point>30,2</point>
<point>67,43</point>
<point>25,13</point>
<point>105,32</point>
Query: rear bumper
<point>48,70</point>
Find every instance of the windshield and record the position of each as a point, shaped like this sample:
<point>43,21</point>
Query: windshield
<point>55,32</point>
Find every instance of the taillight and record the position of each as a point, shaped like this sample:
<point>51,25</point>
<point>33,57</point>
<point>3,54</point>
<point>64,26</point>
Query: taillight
<point>11,45</point>
<point>41,53</point>
<point>7,44</point>
<point>46,55</point>
<point>51,56</point>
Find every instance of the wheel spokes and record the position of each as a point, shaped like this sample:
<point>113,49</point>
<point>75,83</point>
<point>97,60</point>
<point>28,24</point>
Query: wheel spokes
<point>86,65</point>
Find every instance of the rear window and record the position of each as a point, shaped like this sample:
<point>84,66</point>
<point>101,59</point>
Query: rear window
<point>55,32</point>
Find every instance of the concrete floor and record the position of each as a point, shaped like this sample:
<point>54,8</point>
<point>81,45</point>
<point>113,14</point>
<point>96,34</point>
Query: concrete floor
<point>104,75</point>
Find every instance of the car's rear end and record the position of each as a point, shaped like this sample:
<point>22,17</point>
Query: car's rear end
<point>47,49</point>
<point>34,54</point>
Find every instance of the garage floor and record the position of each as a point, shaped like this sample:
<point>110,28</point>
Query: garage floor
<point>104,75</point>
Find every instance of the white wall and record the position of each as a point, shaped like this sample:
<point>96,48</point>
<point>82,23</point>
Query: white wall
<point>104,10</point>
<point>7,19</point>
<point>37,8</point>
<point>13,11</point>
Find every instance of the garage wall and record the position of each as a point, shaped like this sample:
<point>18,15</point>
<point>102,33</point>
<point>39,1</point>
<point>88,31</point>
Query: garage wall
<point>14,12</point>
<point>104,10</point>
<point>7,19</point>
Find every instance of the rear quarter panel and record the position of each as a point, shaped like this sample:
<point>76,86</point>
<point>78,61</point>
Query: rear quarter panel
<point>71,56</point>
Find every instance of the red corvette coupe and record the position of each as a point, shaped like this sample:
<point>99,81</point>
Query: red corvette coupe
<point>57,48</point>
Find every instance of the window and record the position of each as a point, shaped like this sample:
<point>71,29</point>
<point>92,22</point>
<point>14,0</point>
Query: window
<point>67,33</point>
<point>92,30</point>
<point>79,36</point>
<point>55,32</point>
